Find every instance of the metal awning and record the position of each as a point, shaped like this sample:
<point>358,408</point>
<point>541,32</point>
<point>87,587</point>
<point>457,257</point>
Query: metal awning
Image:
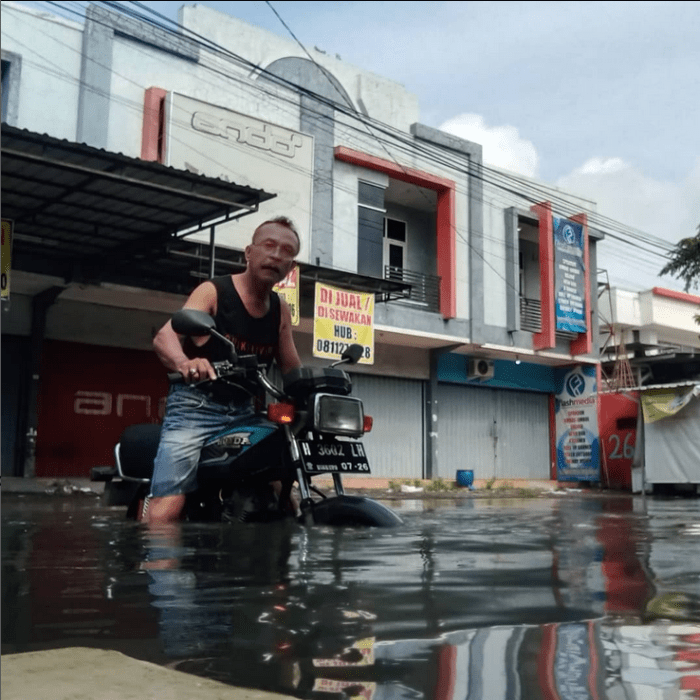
<point>88,215</point>
<point>91,216</point>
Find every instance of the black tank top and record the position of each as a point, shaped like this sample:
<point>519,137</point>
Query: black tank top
<point>251,336</point>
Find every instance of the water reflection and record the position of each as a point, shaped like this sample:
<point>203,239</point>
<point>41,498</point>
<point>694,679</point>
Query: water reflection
<point>553,599</point>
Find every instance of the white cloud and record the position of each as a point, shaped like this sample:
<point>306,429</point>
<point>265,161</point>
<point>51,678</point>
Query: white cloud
<point>666,210</point>
<point>503,146</point>
<point>595,166</point>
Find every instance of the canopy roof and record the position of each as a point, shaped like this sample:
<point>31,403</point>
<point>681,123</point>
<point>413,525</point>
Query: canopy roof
<point>91,216</point>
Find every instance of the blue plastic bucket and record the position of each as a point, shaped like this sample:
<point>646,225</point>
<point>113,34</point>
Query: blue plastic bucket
<point>465,477</point>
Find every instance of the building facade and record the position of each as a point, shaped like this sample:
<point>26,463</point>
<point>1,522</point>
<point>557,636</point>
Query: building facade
<point>473,300</point>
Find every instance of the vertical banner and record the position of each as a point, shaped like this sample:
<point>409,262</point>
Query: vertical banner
<point>6,257</point>
<point>288,289</point>
<point>569,277</point>
<point>577,439</point>
<point>343,317</point>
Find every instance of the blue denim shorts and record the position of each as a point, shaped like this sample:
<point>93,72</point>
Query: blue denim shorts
<point>191,419</point>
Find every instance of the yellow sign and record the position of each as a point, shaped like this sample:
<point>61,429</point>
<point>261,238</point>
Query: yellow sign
<point>6,257</point>
<point>364,657</point>
<point>343,317</point>
<point>662,403</point>
<point>288,289</point>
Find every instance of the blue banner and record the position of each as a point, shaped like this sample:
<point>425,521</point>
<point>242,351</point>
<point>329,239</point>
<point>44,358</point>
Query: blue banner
<point>578,440</point>
<point>569,276</point>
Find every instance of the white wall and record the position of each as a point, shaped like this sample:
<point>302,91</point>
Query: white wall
<point>659,319</point>
<point>50,50</point>
<point>384,99</point>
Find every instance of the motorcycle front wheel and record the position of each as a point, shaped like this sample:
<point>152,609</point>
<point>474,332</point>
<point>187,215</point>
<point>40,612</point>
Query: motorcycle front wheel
<point>352,511</point>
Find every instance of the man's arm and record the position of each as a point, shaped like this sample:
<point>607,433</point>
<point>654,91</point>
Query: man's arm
<point>168,344</point>
<point>287,355</point>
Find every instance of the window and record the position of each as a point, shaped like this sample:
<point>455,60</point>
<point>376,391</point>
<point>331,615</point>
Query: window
<point>370,232</point>
<point>5,88</point>
<point>394,248</point>
<point>11,65</point>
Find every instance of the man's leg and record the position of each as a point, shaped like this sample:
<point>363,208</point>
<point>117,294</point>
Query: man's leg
<point>188,423</point>
<point>167,509</point>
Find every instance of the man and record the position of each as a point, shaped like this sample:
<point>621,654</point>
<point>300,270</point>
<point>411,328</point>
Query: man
<point>258,322</point>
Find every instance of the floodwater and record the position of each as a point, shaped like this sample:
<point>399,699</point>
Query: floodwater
<point>565,597</point>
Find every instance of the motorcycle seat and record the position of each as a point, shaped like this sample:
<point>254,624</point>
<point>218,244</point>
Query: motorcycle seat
<point>137,449</point>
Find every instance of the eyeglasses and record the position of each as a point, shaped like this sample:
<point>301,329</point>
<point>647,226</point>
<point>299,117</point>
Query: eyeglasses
<point>286,252</point>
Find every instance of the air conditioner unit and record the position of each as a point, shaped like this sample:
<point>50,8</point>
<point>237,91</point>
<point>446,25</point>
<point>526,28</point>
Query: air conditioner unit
<point>480,368</point>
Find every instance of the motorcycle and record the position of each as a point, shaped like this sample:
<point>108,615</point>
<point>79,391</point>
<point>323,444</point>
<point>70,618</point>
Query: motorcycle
<point>312,428</point>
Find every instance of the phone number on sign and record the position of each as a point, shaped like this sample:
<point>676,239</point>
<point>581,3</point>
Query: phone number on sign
<point>337,347</point>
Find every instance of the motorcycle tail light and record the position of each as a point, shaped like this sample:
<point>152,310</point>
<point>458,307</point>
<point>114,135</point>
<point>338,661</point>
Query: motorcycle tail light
<point>280,412</point>
<point>340,415</point>
<point>368,423</point>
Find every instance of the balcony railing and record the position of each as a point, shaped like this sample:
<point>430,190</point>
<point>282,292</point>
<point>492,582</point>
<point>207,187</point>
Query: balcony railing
<point>425,289</point>
<point>530,315</point>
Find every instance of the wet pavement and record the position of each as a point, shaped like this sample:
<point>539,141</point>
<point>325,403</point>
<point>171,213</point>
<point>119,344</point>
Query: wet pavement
<point>568,596</point>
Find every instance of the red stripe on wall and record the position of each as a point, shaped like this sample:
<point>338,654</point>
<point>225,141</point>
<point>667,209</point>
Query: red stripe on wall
<point>679,296</point>
<point>153,131</point>
<point>546,337</point>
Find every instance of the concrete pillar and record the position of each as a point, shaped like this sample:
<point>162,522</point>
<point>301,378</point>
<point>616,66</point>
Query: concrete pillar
<point>40,306</point>
<point>430,420</point>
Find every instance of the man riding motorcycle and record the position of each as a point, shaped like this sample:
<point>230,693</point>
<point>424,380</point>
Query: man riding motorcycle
<point>257,321</point>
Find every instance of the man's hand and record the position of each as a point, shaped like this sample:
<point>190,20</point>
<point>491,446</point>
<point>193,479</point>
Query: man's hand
<point>197,370</point>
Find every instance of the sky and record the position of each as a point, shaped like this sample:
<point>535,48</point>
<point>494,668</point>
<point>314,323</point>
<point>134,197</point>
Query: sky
<point>601,99</point>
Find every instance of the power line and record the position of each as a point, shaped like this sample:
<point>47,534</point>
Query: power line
<point>495,181</point>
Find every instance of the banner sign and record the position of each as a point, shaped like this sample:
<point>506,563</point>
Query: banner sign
<point>569,277</point>
<point>6,257</point>
<point>343,317</point>
<point>662,403</point>
<point>288,289</point>
<point>577,438</point>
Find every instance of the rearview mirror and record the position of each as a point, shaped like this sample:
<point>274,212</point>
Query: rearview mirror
<point>192,322</point>
<point>352,353</point>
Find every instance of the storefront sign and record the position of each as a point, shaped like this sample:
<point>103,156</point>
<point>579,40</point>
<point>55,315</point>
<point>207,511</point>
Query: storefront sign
<point>569,276</point>
<point>577,440</point>
<point>6,257</point>
<point>215,141</point>
<point>343,317</point>
<point>288,289</point>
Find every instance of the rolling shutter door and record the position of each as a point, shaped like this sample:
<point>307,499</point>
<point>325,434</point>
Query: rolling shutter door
<point>395,445</point>
<point>496,432</point>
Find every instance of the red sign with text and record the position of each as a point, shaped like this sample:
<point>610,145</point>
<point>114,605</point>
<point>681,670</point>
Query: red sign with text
<point>88,395</point>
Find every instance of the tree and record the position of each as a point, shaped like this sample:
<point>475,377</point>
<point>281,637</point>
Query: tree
<point>685,261</point>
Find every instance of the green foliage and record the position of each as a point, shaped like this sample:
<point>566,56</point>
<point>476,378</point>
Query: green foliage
<point>684,262</point>
<point>489,483</point>
<point>437,485</point>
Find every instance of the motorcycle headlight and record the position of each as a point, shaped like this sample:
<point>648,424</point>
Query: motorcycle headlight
<point>342,415</point>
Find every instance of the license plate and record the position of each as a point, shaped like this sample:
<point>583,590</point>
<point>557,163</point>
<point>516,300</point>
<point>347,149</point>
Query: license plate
<point>329,456</point>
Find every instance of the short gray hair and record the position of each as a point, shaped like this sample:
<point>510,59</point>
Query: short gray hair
<point>282,221</point>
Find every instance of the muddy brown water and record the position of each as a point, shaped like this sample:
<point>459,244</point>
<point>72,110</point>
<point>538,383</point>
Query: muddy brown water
<point>562,597</point>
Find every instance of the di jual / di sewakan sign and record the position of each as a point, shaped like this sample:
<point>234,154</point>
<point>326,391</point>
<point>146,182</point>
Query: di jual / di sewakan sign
<point>341,318</point>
